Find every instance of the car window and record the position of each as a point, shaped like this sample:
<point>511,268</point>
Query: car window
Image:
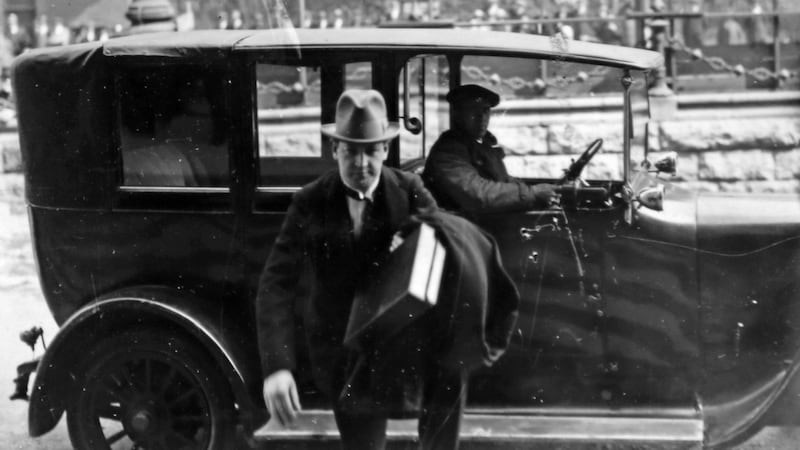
<point>426,77</point>
<point>172,127</point>
<point>544,94</point>
<point>358,75</point>
<point>290,147</point>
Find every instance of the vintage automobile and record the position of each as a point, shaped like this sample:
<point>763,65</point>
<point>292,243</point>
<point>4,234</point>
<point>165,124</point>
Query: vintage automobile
<point>158,169</point>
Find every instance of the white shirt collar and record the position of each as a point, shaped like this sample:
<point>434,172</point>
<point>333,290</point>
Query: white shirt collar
<point>370,190</point>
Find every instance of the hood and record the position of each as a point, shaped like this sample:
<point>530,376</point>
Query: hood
<point>737,224</point>
<point>677,223</point>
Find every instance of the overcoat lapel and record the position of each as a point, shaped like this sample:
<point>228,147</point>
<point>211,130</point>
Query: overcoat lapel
<point>339,226</point>
<point>338,213</point>
<point>395,199</point>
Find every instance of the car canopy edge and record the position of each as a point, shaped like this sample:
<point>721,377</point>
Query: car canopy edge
<point>467,41</point>
<point>208,45</point>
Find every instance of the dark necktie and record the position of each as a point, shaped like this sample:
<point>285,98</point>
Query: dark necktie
<point>366,211</point>
<point>354,194</point>
<point>365,207</point>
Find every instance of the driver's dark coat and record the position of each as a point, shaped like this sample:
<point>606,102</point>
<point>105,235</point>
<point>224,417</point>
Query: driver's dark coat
<point>467,176</point>
<point>317,230</point>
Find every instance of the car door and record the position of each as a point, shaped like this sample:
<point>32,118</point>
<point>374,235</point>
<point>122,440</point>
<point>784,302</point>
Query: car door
<point>292,95</point>
<point>174,195</point>
<point>558,353</point>
<point>561,352</point>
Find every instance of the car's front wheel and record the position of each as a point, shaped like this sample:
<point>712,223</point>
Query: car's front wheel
<point>147,389</point>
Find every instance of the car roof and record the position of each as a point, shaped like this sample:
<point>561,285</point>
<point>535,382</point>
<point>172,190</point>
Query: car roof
<point>207,43</point>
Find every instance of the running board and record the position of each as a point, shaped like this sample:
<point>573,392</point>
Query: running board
<point>515,431</point>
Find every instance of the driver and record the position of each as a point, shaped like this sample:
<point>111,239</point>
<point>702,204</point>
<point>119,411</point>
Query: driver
<point>465,170</point>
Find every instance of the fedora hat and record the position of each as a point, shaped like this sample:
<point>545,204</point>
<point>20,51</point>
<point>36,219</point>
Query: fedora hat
<point>361,118</point>
<point>473,93</point>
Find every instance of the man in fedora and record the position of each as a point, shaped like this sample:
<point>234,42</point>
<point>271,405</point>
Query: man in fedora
<point>339,225</point>
<point>465,170</point>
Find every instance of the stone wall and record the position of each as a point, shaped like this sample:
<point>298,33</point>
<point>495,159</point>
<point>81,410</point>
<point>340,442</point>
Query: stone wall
<point>724,142</point>
<point>744,154</point>
<point>743,144</point>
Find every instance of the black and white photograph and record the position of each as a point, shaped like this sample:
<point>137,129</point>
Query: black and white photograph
<point>400,224</point>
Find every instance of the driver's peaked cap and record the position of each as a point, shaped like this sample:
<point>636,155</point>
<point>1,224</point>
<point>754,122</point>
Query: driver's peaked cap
<point>472,93</point>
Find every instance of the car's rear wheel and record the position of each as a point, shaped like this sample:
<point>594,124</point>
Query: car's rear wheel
<point>145,389</point>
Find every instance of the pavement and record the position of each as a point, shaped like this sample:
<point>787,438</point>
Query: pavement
<point>22,306</point>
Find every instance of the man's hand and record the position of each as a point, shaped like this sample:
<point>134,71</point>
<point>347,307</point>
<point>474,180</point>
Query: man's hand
<point>280,395</point>
<point>546,195</point>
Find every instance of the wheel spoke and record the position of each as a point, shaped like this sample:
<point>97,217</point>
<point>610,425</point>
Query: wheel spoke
<point>152,373</point>
<point>110,412</point>
<point>190,393</point>
<point>116,437</point>
<point>112,382</point>
<point>115,392</point>
<point>125,373</point>
<point>191,418</point>
<point>121,383</point>
<point>166,382</point>
<point>156,443</point>
<point>148,373</point>
<point>181,439</point>
<point>112,392</point>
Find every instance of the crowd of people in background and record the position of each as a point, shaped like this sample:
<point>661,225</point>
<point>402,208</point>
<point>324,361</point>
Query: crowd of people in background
<point>48,32</point>
<point>604,21</point>
<point>45,32</point>
<point>588,20</point>
<point>591,20</point>
<point>570,18</point>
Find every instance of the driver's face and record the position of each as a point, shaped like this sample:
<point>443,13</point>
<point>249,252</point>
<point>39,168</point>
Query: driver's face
<point>472,118</point>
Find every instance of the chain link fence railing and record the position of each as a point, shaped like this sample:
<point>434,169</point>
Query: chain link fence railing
<point>718,64</point>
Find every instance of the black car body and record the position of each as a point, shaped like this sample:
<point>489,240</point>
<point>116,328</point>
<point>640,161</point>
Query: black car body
<point>158,170</point>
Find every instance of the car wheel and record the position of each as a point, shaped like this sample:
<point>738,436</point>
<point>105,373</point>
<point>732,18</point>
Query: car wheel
<point>148,389</point>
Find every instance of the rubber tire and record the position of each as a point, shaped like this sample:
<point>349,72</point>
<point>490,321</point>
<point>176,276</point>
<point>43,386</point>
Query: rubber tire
<point>173,351</point>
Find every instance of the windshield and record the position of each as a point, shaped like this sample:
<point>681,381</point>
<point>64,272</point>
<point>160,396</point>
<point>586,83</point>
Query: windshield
<point>550,111</point>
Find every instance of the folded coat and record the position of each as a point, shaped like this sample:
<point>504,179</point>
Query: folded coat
<point>478,302</point>
<point>470,327</point>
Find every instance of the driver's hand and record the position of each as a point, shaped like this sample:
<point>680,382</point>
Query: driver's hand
<point>546,195</point>
<point>280,395</point>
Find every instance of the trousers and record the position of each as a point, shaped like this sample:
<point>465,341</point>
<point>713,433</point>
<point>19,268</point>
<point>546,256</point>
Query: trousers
<point>443,402</point>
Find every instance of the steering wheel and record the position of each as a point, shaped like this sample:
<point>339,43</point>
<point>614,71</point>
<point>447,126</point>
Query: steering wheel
<point>575,169</point>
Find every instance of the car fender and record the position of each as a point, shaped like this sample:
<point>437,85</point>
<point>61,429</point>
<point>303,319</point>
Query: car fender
<point>736,418</point>
<point>733,422</point>
<point>56,374</point>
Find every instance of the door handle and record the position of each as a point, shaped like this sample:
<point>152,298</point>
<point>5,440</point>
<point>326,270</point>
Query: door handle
<point>528,233</point>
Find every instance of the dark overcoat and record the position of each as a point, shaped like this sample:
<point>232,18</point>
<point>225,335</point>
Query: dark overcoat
<point>467,176</point>
<point>318,231</point>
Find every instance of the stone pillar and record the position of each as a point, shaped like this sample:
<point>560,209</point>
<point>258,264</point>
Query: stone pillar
<point>663,102</point>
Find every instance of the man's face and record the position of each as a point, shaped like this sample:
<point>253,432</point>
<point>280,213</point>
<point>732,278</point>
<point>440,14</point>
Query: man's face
<point>472,118</point>
<point>360,164</point>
